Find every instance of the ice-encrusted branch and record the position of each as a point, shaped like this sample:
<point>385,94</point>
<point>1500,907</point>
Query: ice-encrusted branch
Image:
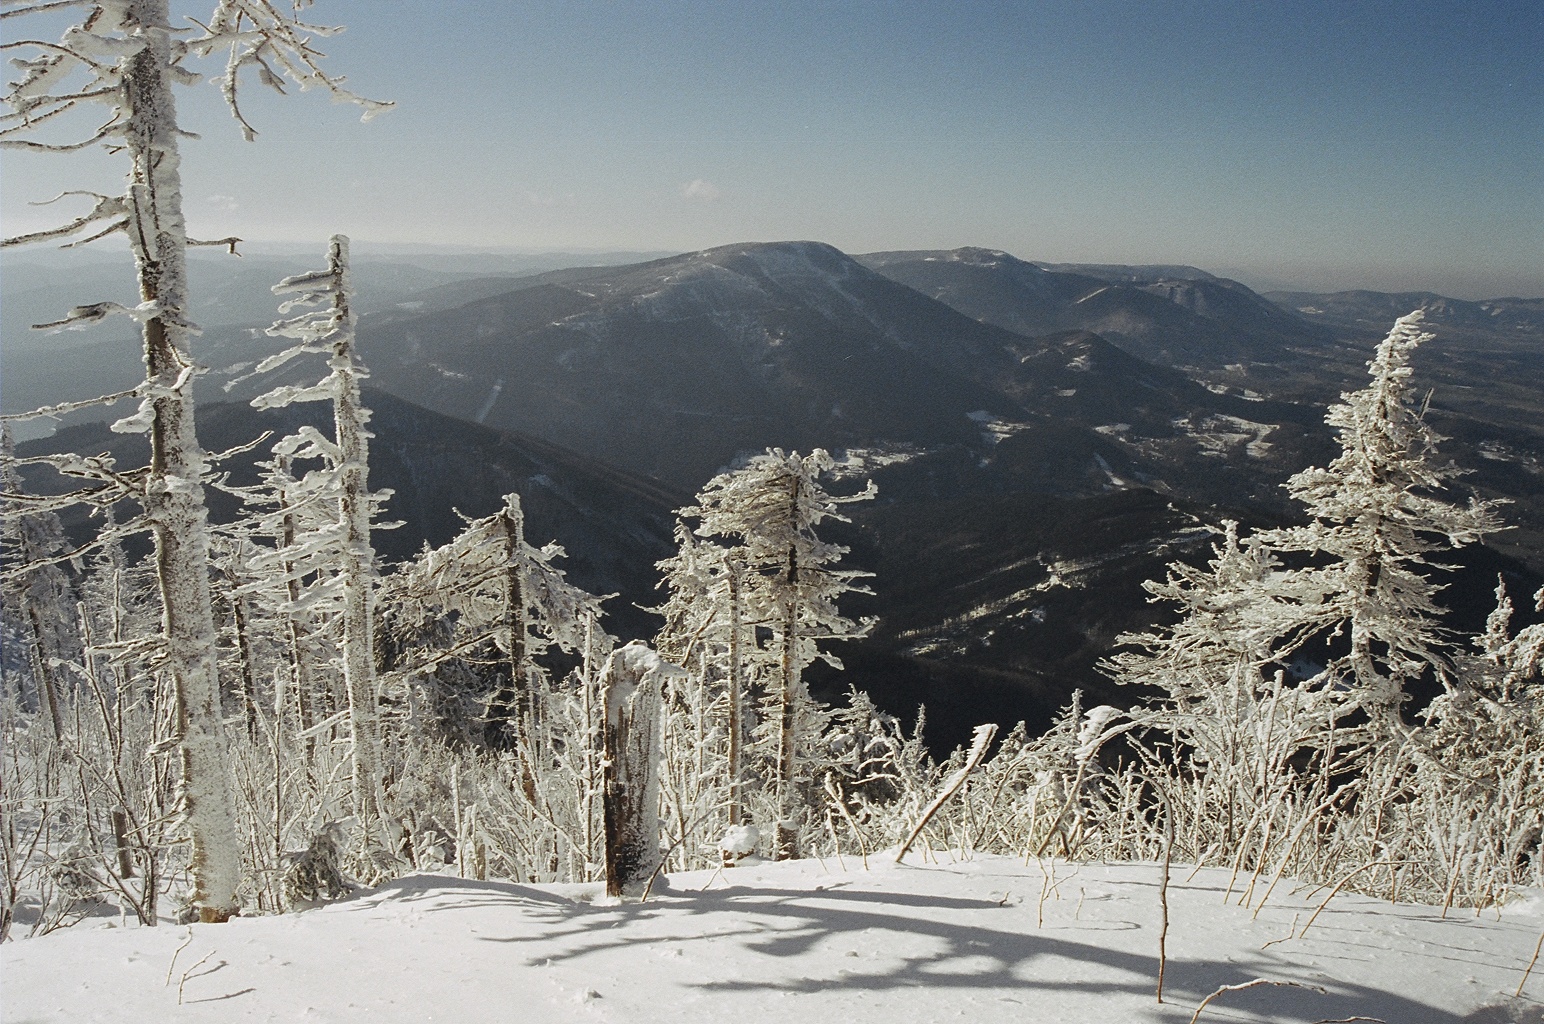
<point>72,555</point>
<point>107,208</point>
<point>84,316</point>
<point>230,242</point>
<point>52,411</point>
<point>47,5</point>
<point>274,47</point>
<point>981,739</point>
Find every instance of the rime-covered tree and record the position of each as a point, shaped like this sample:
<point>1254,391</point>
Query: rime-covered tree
<point>1377,511</point>
<point>346,544</point>
<point>1227,630</point>
<point>765,514</point>
<point>37,596</point>
<point>286,568</point>
<point>1517,660</point>
<point>126,55</point>
<point>483,612</point>
<point>1322,770</point>
<point>490,590</point>
<point>1230,727</point>
<point>707,631</point>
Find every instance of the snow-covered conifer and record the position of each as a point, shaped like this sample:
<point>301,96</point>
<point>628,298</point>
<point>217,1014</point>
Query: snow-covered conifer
<point>1376,512</point>
<point>765,513</point>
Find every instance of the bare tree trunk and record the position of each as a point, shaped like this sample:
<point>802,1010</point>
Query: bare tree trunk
<point>121,844</point>
<point>785,846</point>
<point>42,671</point>
<point>174,496</point>
<point>518,709</point>
<point>592,757</point>
<point>735,690</point>
<point>243,649</point>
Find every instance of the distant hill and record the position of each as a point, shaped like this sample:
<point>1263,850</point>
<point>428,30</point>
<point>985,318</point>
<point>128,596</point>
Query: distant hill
<point>1215,328</point>
<point>676,367</point>
<point>1043,440</point>
<point>1485,364</point>
<point>40,286</point>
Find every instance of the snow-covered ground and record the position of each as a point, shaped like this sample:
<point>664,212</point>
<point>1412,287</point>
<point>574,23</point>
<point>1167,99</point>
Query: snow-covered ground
<point>800,943</point>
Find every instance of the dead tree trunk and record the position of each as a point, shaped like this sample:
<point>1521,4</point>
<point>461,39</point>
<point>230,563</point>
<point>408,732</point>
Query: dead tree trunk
<point>514,710</point>
<point>350,419</point>
<point>736,689</point>
<point>630,685</point>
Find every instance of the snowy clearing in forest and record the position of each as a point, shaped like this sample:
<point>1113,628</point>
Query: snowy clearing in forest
<point>988,939</point>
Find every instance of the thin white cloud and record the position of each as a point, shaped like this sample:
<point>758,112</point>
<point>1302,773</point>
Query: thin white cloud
<point>700,189</point>
<point>222,202</point>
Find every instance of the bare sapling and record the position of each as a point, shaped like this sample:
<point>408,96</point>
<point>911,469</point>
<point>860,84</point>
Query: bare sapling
<point>1538,947</point>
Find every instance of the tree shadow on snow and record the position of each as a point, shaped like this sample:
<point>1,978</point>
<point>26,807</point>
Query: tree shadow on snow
<point>966,954</point>
<point>465,892</point>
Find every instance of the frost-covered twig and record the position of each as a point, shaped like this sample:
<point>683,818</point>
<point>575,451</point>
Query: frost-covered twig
<point>259,38</point>
<point>1163,888</point>
<point>183,981</point>
<point>175,954</point>
<point>1529,970</point>
<point>1340,885</point>
<point>981,739</point>
<point>47,5</point>
<point>108,208</point>
<point>51,411</point>
<point>1251,984</point>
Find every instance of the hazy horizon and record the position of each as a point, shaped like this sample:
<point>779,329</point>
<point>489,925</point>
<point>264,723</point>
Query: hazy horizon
<point>1394,147</point>
<point>1309,280</point>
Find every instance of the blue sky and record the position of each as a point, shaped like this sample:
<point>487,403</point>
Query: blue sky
<point>1323,145</point>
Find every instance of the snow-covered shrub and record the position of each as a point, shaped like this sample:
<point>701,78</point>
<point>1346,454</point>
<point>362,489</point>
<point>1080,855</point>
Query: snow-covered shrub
<point>315,874</point>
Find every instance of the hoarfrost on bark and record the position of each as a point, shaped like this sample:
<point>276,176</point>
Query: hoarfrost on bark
<point>631,686</point>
